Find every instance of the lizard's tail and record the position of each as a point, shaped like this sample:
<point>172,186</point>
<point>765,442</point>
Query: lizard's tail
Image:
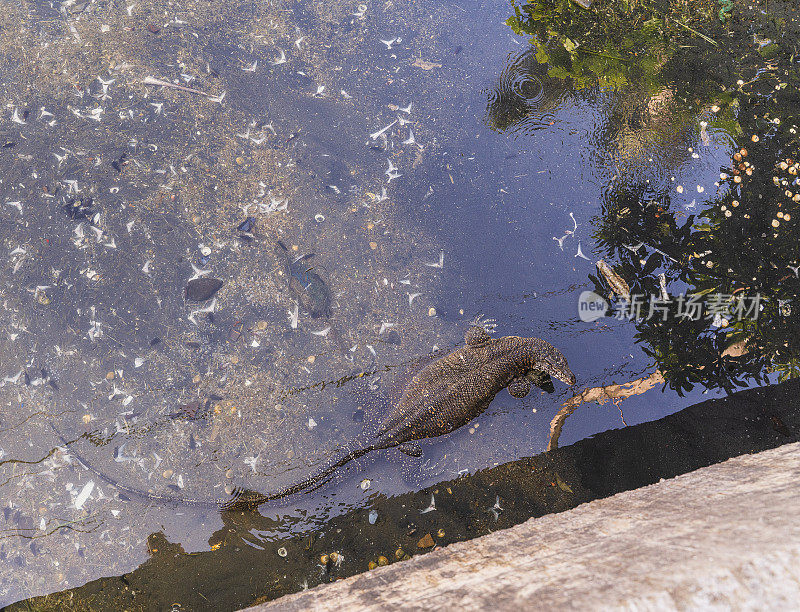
<point>244,499</point>
<point>169,499</point>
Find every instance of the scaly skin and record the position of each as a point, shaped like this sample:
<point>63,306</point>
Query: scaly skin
<point>443,396</point>
<point>455,389</point>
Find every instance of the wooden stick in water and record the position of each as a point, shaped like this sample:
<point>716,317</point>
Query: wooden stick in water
<point>154,81</point>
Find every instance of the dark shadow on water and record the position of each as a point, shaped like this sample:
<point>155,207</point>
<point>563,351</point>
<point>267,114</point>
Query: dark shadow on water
<point>249,563</point>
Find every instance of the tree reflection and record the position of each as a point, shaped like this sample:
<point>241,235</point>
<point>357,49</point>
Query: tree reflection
<point>613,44</point>
<point>744,242</point>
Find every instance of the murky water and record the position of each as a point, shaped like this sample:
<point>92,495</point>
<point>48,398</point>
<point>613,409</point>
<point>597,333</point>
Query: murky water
<point>440,166</point>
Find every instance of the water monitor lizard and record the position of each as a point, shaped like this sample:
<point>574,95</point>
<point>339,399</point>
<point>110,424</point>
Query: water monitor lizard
<point>444,395</point>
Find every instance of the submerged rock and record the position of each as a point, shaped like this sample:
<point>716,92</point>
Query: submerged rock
<point>202,289</point>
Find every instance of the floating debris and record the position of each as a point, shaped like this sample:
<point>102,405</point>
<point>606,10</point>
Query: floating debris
<point>391,172</point>
<point>561,485</point>
<point>208,309</point>
<point>198,272</point>
<point>13,379</point>
<point>274,205</point>
<point>162,83</point>
<point>439,264</point>
<point>389,43</point>
<point>425,65</point>
<point>382,131</point>
<point>372,517</point>
<point>496,509</point>
<point>294,316</point>
<point>16,118</point>
<point>202,289</point>
<point>83,496</point>
<point>252,462</point>
<point>580,253</point>
<point>281,59</point>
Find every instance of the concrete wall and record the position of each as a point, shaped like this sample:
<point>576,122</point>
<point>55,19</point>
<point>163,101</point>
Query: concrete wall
<point>722,537</point>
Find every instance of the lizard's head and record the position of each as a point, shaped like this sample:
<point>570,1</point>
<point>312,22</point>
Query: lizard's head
<point>558,367</point>
<point>549,359</point>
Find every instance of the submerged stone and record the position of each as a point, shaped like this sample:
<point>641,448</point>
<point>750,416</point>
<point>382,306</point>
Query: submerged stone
<point>202,289</point>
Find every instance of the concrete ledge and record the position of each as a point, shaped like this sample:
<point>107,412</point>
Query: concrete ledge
<point>722,537</point>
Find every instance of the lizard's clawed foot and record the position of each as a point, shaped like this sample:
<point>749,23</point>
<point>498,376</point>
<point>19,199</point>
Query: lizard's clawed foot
<point>489,325</point>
